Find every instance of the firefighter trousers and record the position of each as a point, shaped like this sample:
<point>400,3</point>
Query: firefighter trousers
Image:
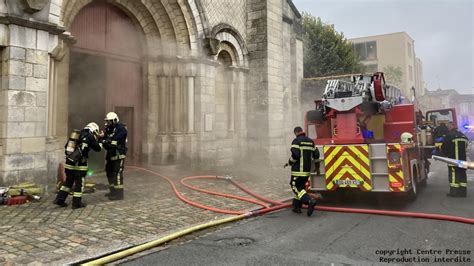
<point>114,171</point>
<point>73,178</point>
<point>298,186</point>
<point>457,181</point>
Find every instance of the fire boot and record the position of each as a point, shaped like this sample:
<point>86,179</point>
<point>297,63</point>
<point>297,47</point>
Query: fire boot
<point>297,204</point>
<point>60,198</point>
<point>117,195</point>
<point>453,192</point>
<point>311,205</point>
<point>60,203</point>
<point>462,192</point>
<point>77,203</point>
<point>111,192</point>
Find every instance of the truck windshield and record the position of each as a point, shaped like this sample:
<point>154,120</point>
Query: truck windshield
<point>442,116</point>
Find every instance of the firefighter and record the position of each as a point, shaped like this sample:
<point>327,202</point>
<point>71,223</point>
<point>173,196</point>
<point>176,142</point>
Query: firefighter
<point>76,169</point>
<point>115,142</point>
<point>454,146</point>
<point>302,153</point>
<point>440,131</point>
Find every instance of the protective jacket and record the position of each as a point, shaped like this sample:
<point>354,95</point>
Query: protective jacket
<point>455,145</point>
<point>302,151</point>
<point>85,142</point>
<point>115,142</point>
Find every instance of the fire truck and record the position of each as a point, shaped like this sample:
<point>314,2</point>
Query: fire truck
<point>368,139</point>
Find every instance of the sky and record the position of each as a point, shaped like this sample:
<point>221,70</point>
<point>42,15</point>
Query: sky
<point>443,31</point>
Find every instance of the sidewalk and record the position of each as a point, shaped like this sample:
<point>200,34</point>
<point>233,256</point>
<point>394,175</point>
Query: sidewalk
<point>43,233</point>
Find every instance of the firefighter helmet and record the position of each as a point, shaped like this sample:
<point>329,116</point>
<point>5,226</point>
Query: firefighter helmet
<point>406,137</point>
<point>111,116</point>
<point>93,128</point>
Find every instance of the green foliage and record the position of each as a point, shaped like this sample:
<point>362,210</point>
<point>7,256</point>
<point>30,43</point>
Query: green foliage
<point>326,51</point>
<point>393,75</point>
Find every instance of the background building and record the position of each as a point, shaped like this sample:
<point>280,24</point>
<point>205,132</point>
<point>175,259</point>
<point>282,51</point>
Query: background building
<point>441,99</point>
<point>394,54</point>
<point>199,82</point>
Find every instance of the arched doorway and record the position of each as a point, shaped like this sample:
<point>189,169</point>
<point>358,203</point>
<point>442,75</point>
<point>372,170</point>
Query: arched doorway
<point>223,101</point>
<point>105,73</point>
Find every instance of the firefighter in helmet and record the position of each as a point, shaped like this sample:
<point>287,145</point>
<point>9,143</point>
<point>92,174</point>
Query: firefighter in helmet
<point>302,153</point>
<point>440,131</point>
<point>115,142</point>
<point>455,146</point>
<point>76,166</point>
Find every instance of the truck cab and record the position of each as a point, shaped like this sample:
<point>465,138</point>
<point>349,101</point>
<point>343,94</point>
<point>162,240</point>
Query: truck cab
<point>438,119</point>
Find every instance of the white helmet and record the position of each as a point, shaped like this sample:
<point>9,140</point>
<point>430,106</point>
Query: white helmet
<point>406,137</point>
<point>93,128</point>
<point>111,116</point>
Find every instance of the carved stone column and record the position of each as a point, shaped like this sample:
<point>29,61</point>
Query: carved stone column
<point>177,84</point>
<point>231,102</point>
<point>190,101</point>
<point>163,114</point>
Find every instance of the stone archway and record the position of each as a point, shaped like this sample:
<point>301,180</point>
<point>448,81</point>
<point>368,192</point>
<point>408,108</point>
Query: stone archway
<point>105,72</point>
<point>170,30</point>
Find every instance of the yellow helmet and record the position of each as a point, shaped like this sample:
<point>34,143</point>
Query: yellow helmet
<point>93,128</point>
<point>111,116</point>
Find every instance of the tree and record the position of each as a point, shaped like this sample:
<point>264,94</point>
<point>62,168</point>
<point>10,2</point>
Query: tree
<point>326,51</point>
<point>393,75</point>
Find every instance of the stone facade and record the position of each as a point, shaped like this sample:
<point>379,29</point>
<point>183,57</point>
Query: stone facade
<point>221,81</point>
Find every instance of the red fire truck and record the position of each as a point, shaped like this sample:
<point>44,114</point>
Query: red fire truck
<point>368,138</point>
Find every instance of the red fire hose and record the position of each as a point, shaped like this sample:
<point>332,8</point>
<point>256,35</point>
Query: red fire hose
<point>281,205</point>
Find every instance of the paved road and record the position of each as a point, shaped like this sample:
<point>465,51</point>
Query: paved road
<point>285,238</point>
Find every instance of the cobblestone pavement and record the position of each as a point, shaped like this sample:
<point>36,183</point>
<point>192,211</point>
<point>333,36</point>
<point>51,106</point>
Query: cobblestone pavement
<point>42,233</point>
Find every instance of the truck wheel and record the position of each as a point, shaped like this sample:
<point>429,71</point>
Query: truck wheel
<point>424,182</point>
<point>413,193</point>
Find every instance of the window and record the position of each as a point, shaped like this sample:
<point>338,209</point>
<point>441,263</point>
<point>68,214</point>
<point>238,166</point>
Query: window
<point>410,73</point>
<point>437,117</point>
<point>360,50</point>
<point>409,49</point>
<point>366,50</point>
<point>371,50</point>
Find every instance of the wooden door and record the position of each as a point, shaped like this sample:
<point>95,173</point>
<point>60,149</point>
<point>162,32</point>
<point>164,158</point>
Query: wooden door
<point>124,94</point>
<point>106,34</point>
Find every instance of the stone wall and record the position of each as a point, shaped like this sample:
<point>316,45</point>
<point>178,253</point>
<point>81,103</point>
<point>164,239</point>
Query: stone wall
<point>275,52</point>
<point>24,90</point>
<point>183,41</point>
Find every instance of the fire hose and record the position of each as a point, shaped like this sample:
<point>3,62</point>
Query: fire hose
<point>267,205</point>
<point>454,162</point>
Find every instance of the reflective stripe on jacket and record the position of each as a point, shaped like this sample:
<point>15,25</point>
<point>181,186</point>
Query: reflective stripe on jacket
<point>302,153</point>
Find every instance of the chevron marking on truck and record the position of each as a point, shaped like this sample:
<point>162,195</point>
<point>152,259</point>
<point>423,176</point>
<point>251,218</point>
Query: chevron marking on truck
<point>347,166</point>
<point>395,175</point>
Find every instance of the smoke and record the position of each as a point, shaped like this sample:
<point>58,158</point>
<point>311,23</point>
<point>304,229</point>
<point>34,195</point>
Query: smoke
<point>240,116</point>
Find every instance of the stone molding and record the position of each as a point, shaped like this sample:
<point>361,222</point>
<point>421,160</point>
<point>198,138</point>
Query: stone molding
<point>31,23</point>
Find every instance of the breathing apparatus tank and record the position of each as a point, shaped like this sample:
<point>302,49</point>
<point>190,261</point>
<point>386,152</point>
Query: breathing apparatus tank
<point>72,142</point>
